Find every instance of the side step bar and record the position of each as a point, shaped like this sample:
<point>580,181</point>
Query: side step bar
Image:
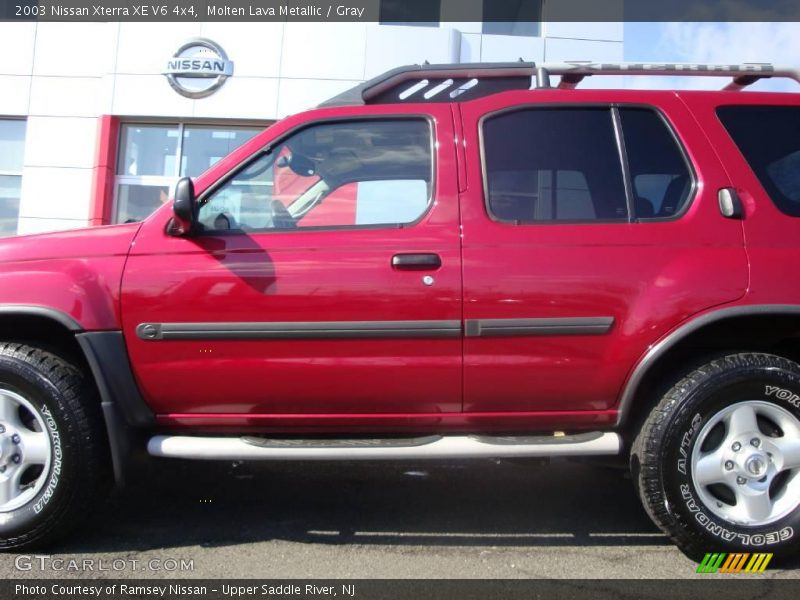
<point>436,446</point>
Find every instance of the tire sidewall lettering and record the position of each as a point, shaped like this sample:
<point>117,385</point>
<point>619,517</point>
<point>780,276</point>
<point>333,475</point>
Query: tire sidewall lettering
<point>68,479</point>
<point>779,393</point>
<point>685,448</point>
<point>720,530</point>
<point>685,435</point>
<point>48,408</point>
<point>56,462</point>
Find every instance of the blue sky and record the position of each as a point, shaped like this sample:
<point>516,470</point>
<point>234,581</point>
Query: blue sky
<point>725,43</point>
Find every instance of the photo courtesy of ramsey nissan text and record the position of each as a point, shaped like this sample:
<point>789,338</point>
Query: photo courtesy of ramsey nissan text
<point>399,299</point>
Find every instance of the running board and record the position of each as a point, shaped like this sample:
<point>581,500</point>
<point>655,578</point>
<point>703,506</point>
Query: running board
<point>436,446</point>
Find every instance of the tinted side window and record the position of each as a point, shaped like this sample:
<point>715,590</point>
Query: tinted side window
<point>553,164</point>
<point>769,139</point>
<point>661,180</point>
<point>354,173</point>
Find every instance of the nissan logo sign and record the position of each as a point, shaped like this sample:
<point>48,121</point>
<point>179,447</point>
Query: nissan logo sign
<point>198,68</point>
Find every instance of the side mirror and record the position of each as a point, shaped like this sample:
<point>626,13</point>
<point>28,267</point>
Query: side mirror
<point>184,207</point>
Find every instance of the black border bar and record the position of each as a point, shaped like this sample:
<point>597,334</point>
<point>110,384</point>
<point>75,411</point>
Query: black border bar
<point>700,586</point>
<point>374,11</point>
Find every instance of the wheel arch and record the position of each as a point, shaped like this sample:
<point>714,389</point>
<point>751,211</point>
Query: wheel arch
<point>103,356</point>
<point>760,327</point>
<point>44,312</point>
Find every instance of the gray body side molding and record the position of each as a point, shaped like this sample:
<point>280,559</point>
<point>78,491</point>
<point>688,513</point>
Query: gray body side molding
<point>299,330</point>
<point>662,347</point>
<point>538,327</point>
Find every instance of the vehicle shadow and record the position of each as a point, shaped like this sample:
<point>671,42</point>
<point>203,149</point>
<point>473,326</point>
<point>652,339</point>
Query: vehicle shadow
<point>500,503</point>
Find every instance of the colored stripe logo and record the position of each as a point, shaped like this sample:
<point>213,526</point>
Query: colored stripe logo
<point>739,562</point>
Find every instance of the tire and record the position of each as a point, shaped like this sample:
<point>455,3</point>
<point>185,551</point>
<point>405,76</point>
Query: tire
<point>717,462</point>
<point>54,463</point>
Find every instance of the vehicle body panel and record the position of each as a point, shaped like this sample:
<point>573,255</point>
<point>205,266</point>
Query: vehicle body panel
<point>299,277</point>
<point>770,234</point>
<point>651,278</point>
<point>647,276</point>
<point>391,423</point>
<point>75,272</point>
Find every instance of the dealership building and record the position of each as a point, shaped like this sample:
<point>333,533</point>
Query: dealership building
<point>98,120</point>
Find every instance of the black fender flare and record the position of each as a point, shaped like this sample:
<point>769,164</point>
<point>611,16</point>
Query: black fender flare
<point>663,346</point>
<point>125,412</point>
<point>58,316</point>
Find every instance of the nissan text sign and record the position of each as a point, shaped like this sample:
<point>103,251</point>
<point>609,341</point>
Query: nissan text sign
<point>198,68</point>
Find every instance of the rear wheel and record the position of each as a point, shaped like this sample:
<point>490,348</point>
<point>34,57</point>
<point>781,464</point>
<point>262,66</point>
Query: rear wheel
<point>717,462</point>
<point>53,462</point>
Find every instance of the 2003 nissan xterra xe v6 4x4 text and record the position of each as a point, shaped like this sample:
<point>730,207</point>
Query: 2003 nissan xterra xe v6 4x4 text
<point>447,261</point>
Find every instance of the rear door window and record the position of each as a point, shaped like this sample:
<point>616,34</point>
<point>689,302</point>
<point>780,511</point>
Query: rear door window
<point>769,139</point>
<point>661,180</point>
<point>553,164</point>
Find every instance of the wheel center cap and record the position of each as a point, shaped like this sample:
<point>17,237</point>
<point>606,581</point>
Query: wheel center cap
<point>756,465</point>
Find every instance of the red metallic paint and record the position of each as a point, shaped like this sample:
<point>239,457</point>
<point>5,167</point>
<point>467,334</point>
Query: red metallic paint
<point>771,235</point>
<point>76,272</point>
<point>647,275</point>
<point>301,275</point>
<point>651,277</point>
<point>393,422</point>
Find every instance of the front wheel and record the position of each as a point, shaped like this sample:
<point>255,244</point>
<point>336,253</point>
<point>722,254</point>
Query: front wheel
<point>717,462</point>
<point>53,461</point>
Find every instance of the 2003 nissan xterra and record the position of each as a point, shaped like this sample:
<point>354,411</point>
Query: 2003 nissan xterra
<point>446,261</point>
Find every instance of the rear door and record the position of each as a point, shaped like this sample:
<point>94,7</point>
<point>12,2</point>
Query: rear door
<point>325,279</point>
<point>589,232</point>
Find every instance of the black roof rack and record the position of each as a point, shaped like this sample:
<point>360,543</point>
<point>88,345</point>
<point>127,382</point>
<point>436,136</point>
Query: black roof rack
<point>426,83</point>
<point>467,81</point>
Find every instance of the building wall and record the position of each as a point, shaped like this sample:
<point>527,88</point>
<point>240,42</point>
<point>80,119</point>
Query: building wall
<point>62,76</point>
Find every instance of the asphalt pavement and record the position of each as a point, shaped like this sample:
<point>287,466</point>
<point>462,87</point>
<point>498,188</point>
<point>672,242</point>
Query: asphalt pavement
<point>464,519</point>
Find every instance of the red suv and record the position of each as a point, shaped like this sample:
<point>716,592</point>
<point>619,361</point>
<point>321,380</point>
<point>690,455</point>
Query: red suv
<point>446,261</point>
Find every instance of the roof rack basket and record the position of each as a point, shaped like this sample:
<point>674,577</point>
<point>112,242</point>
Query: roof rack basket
<point>461,82</point>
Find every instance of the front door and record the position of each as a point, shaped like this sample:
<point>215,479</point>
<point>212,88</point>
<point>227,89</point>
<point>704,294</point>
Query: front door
<point>324,279</point>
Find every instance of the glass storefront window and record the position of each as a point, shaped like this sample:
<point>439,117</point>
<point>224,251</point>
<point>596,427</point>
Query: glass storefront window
<point>514,17</point>
<point>203,146</point>
<point>153,156</point>
<point>12,146</point>
<point>148,150</point>
<point>135,202</point>
<point>9,204</point>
